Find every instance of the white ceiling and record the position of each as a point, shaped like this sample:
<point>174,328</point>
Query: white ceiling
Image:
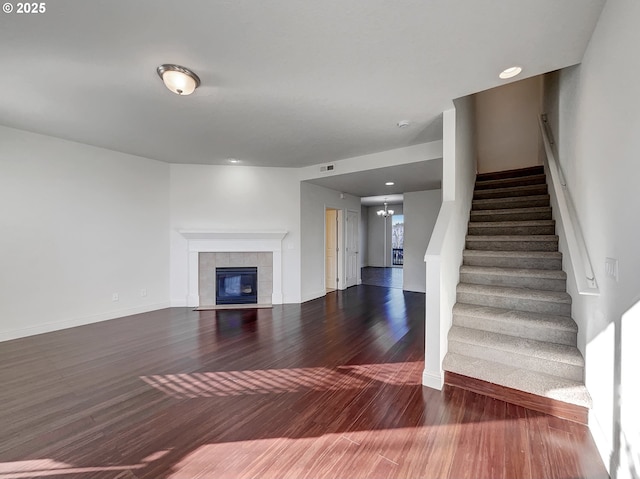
<point>284,82</point>
<point>419,176</point>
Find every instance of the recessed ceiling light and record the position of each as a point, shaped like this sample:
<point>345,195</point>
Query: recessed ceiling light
<point>389,183</point>
<point>233,161</point>
<point>403,124</point>
<point>510,72</point>
<point>179,80</point>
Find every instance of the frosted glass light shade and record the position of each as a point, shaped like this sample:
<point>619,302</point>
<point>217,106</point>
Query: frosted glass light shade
<point>179,80</point>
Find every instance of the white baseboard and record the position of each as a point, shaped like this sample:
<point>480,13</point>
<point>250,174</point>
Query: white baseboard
<point>178,303</point>
<point>314,295</point>
<point>603,445</point>
<point>193,300</point>
<point>434,381</point>
<point>72,323</point>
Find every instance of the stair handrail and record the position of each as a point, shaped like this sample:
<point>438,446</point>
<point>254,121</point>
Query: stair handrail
<point>577,250</point>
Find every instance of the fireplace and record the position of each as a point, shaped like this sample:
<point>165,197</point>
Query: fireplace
<point>237,285</point>
<point>208,250</point>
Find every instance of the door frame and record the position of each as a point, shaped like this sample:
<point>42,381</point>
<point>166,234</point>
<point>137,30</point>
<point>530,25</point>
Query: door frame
<point>347,229</point>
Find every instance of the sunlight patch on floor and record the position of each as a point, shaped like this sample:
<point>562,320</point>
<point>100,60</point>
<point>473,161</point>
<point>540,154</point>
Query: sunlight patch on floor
<point>49,467</point>
<point>275,381</point>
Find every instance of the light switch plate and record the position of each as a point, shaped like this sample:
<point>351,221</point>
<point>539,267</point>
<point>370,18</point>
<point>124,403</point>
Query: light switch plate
<point>611,268</point>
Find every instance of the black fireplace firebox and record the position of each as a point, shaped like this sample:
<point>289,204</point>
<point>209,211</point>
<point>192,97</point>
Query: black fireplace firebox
<point>236,285</point>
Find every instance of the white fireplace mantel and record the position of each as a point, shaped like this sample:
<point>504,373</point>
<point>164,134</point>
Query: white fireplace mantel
<point>233,235</point>
<point>201,241</point>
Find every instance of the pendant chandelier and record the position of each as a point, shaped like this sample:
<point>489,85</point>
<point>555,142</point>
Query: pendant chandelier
<point>385,212</point>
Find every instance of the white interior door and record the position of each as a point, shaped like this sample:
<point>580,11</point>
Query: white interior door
<point>331,249</point>
<point>352,246</point>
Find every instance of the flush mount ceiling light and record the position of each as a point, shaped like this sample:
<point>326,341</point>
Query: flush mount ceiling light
<point>385,212</point>
<point>510,72</point>
<point>389,183</point>
<point>233,161</point>
<point>179,80</point>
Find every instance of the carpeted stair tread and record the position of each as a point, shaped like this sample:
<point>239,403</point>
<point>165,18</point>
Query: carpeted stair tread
<point>511,202</point>
<point>560,389</point>
<point>511,192</point>
<point>544,279</point>
<point>512,242</point>
<point>540,327</point>
<point>511,323</point>
<point>513,259</point>
<point>533,273</point>
<point>512,214</point>
<point>511,182</point>
<point>526,227</point>
<point>520,293</point>
<point>496,175</point>
<point>514,237</point>
<point>523,299</point>
<point>560,353</point>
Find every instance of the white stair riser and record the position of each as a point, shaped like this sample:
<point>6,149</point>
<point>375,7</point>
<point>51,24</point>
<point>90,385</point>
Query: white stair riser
<point>532,363</point>
<point>515,303</point>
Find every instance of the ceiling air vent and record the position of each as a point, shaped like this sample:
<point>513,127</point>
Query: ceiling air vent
<point>327,167</point>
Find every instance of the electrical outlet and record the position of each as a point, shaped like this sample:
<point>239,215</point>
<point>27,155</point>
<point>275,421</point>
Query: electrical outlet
<point>115,297</point>
<point>611,268</point>
<point>143,292</point>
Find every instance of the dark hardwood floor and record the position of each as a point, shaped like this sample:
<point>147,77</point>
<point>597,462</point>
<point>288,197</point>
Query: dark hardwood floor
<point>329,388</point>
<point>387,277</point>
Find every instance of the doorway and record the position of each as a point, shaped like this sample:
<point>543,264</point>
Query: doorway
<point>397,240</point>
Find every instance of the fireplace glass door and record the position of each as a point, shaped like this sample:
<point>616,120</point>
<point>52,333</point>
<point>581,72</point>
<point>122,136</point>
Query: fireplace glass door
<point>236,285</point>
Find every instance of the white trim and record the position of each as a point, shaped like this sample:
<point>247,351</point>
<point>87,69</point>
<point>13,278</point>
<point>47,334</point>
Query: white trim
<point>80,321</point>
<point>232,242</point>
<point>434,381</point>
<point>178,303</point>
<point>314,295</point>
<point>603,445</point>
<point>231,235</point>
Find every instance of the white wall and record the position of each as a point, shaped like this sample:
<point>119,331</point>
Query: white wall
<point>594,110</point>
<point>313,201</point>
<point>232,198</point>
<point>444,252</point>
<point>507,125</point>
<point>78,223</point>
<point>379,237</point>
<point>421,210</point>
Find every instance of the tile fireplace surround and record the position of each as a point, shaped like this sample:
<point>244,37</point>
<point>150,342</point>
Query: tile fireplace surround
<point>208,262</point>
<point>211,249</point>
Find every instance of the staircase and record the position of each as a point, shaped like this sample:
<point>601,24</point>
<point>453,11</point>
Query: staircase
<point>512,336</point>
